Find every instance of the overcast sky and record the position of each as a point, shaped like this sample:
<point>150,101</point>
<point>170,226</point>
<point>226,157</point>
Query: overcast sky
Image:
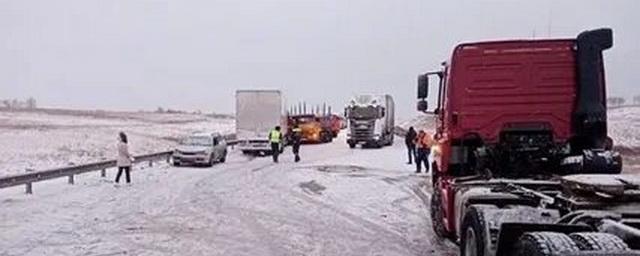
<point>190,55</point>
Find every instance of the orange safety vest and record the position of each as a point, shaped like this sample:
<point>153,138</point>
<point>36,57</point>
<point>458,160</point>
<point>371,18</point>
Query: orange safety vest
<point>424,141</point>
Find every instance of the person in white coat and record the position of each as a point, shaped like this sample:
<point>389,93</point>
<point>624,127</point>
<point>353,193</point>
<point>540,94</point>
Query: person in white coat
<point>124,159</point>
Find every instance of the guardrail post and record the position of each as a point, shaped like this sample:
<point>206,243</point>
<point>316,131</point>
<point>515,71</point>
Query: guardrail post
<point>28,189</point>
<point>169,158</point>
<point>150,163</point>
<point>103,173</point>
<point>71,179</point>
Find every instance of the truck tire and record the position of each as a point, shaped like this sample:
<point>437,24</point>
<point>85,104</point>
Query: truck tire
<point>592,241</point>
<point>437,215</point>
<point>435,174</point>
<point>352,145</point>
<point>473,240</point>
<point>544,244</point>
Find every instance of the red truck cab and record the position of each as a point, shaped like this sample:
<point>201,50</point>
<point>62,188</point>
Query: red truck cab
<point>518,109</point>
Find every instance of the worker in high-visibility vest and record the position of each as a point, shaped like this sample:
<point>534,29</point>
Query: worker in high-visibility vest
<point>275,138</point>
<point>423,142</point>
<point>296,139</point>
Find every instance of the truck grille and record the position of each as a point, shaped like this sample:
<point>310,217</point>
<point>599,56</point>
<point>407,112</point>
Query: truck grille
<point>362,130</point>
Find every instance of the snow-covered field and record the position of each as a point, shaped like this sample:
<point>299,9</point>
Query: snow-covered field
<point>337,201</point>
<point>45,139</point>
<point>624,126</point>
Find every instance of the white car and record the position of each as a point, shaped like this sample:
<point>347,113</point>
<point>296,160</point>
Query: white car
<point>201,149</point>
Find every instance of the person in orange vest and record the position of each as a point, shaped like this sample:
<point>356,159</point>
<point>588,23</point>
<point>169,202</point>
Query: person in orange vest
<point>423,142</point>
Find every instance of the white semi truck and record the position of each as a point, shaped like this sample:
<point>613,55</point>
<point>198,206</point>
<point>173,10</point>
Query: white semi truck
<point>371,120</point>
<point>257,112</point>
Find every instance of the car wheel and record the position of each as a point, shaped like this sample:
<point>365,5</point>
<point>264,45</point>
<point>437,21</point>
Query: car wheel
<point>352,145</point>
<point>211,160</point>
<point>224,157</point>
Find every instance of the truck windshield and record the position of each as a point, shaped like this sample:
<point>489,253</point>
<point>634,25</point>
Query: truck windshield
<point>368,112</point>
<point>197,141</point>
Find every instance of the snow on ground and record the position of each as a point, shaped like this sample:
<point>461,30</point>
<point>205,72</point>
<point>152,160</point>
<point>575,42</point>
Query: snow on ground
<point>41,140</point>
<point>337,201</point>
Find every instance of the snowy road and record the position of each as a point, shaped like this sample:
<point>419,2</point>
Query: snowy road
<point>337,201</point>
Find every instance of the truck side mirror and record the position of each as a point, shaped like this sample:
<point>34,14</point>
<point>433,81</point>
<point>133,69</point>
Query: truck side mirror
<point>423,105</point>
<point>423,86</point>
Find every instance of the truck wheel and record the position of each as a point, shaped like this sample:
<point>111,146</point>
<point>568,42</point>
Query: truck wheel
<point>352,145</point>
<point>472,232</point>
<point>544,244</point>
<point>437,215</point>
<point>435,174</point>
<point>592,241</point>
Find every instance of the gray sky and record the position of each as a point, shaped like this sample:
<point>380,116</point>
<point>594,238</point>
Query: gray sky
<point>184,54</point>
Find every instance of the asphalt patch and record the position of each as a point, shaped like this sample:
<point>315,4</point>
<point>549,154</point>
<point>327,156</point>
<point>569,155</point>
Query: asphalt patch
<point>312,187</point>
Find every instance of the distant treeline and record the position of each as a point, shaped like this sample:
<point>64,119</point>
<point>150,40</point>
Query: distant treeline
<point>620,101</point>
<point>29,103</point>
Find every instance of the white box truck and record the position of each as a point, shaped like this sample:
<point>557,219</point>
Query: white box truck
<point>371,120</point>
<point>257,112</point>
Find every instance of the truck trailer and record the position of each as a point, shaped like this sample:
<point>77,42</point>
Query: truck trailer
<point>523,164</point>
<point>257,113</point>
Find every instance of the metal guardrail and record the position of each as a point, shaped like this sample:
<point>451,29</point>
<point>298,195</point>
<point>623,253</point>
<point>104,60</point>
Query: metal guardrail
<point>28,179</point>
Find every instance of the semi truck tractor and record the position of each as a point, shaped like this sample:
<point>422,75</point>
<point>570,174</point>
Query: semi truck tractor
<point>523,164</point>
<point>257,113</point>
<point>313,128</point>
<point>371,120</point>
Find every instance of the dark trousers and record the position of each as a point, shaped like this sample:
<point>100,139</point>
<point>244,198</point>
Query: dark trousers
<point>411,150</point>
<point>275,151</point>
<point>296,151</point>
<point>127,170</point>
<point>422,157</point>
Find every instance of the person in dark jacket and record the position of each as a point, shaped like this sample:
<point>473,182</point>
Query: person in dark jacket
<point>296,139</point>
<point>409,139</point>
